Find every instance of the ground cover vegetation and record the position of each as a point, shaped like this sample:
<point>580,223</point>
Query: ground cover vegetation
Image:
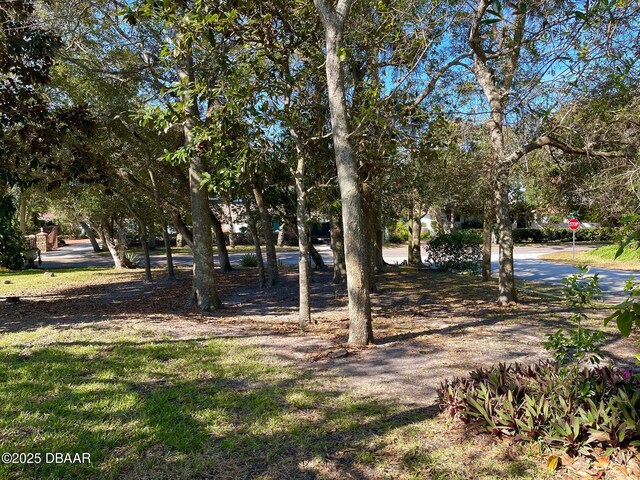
<point>117,367</point>
<point>222,127</point>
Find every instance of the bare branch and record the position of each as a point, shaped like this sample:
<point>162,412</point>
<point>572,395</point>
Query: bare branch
<point>547,141</point>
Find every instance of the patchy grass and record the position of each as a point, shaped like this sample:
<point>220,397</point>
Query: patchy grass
<point>154,252</point>
<point>35,282</point>
<point>603,257</point>
<point>166,408</point>
<point>120,369</point>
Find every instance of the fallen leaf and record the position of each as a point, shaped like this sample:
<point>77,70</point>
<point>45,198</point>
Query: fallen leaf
<point>622,470</point>
<point>603,461</point>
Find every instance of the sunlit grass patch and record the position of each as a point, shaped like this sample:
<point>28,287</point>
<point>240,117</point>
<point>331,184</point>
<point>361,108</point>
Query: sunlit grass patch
<point>603,257</point>
<point>161,408</point>
<point>34,281</point>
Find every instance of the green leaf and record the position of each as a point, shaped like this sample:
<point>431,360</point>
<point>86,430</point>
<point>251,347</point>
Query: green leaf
<point>625,322</point>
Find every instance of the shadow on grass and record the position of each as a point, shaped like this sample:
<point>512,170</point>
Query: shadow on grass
<point>181,409</point>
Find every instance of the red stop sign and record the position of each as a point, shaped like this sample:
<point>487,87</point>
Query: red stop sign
<point>574,224</point>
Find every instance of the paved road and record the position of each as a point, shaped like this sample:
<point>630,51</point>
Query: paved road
<point>528,266</point>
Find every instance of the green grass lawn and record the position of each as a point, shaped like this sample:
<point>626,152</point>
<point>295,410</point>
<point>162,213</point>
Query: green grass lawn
<point>603,256</point>
<point>147,406</point>
<point>34,281</point>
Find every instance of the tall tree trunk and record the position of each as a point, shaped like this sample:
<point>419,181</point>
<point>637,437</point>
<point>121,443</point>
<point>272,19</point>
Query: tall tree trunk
<point>496,91</point>
<point>116,242</point>
<point>506,278</point>
<point>103,239</point>
<point>115,254</point>
<point>223,253</point>
<point>416,229</point>
<point>318,261</point>
<point>360,327</point>
<point>167,248</point>
<point>410,226</point>
<point>144,240</point>
<point>22,213</point>
<point>379,240</point>
<point>304,270</point>
<point>204,293</point>
<point>337,246</point>
<point>487,229</point>
<point>232,234</point>
<point>281,230</point>
<point>368,211</point>
<point>92,238</point>
<point>273,276</point>
<point>251,223</point>
<point>182,228</point>
<point>165,230</point>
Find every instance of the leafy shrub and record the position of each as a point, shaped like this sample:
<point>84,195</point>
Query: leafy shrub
<point>543,235</point>
<point>627,313</point>
<point>11,241</point>
<point>598,407</point>
<point>580,290</point>
<point>133,258</point>
<point>399,232</point>
<point>471,223</point>
<point>460,250</point>
<point>529,235</point>
<point>249,260</point>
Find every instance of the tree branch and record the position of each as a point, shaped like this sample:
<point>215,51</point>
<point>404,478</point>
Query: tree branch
<point>548,141</point>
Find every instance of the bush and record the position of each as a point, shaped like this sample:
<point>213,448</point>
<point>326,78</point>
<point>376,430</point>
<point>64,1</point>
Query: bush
<point>543,235</point>
<point>528,235</point>
<point>399,232</point>
<point>12,243</point>
<point>598,407</point>
<point>249,260</point>
<point>134,259</point>
<point>460,250</point>
<point>471,223</point>
<point>580,291</point>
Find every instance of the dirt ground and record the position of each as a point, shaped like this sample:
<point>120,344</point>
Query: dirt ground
<point>428,325</point>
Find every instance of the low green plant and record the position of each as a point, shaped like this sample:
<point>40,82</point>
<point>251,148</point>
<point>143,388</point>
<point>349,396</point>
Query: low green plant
<point>133,258</point>
<point>540,402</point>
<point>398,232</point>
<point>249,260</point>
<point>578,345</point>
<point>12,243</point>
<point>627,313</point>
<point>555,234</point>
<point>459,250</point>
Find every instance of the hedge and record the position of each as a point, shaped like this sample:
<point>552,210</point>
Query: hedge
<point>459,250</point>
<point>545,235</point>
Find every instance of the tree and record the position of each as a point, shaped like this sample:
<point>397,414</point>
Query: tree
<point>519,49</point>
<point>355,244</point>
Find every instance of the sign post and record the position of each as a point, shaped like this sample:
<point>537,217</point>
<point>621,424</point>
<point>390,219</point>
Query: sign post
<point>574,224</point>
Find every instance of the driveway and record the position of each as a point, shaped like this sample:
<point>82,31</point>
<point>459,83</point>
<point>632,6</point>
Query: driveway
<point>527,263</point>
